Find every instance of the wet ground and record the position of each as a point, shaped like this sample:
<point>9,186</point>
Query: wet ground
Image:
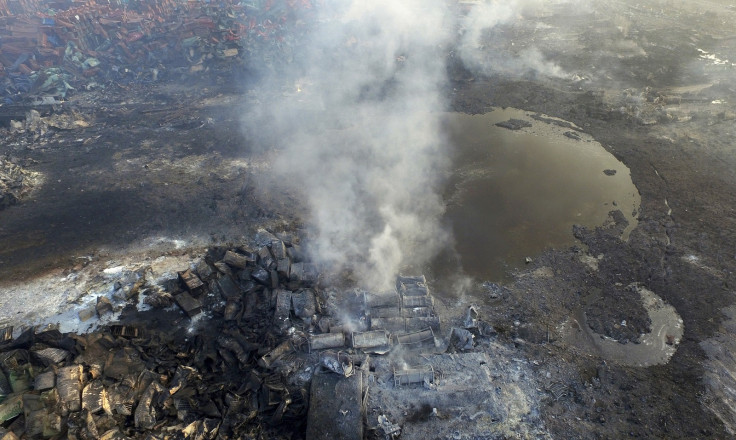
<point>153,165</point>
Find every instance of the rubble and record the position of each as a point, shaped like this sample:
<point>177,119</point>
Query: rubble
<point>376,339</point>
<point>388,429</point>
<point>244,409</point>
<point>338,363</point>
<point>415,340</point>
<point>124,331</point>
<point>558,390</point>
<point>52,356</point>
<point>52,48</point>
<point>94,397</point>
<point>269,359</point>
<point>44,381</point>
<point>190,305</point>
<point>190,280</point>
<point>104,306</point>
<point>514,124</point>
<point>326,340</point>
<point>235,260</point>
<point>6,333</point>
<point>461,339</point>
<point>11,407</point>
<point>69,387</point>
<point>420,375</point>
<point>16,181</point>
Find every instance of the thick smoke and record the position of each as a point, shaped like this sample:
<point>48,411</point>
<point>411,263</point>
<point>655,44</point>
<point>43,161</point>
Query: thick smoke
<point>359,139</point>
<point>357,133</point>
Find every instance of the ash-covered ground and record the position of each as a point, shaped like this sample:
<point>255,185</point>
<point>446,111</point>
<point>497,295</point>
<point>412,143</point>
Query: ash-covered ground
<point>605,339</point>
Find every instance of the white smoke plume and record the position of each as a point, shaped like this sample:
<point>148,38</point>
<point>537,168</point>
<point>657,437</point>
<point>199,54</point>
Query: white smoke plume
<point>487,55</point>
<point>359,138</point>
<point>358,135</point>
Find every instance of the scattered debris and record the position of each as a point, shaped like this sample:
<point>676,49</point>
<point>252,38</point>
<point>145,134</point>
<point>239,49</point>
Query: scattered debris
<point>236,260</point>
<point>11,408</point>
<point>375,339</point>
<point>191,281</point>
<point>389,430</point>
<point>6,333</point>
<point>53,48</point>
<point>190,305</point>
<point>415,340</point>
<point>326,340</point>
<point>514,124</point>
<point>246,370</point>
<point>338,363</point>
<point>124,331</point>
<point>461,339</point>
<point>419,375</point>
<point>494,290</point>
<point>16,181</point>
<point>558,390</point>
<point>104,306</point>
<point>471,317</point>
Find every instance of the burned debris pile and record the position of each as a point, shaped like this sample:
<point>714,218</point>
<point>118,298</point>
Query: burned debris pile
<point>236,346</point>
<point>250,342</point>
<point>49,48</point>
<point>239,375</point>
<point>16,182</point>
<point>514,124</point>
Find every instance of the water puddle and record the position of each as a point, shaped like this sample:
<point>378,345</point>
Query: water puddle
<point>655,347</point>
<point>515,193</point>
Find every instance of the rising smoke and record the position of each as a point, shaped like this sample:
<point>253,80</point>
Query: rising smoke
<point>487,54</point>
<point>358,136</point>
<point>360,140</point>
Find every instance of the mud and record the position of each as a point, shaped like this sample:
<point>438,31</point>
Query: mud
<point>170,161</point>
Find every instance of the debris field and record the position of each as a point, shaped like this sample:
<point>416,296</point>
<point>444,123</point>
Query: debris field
<point>270,352</point>
<point>122,121</point>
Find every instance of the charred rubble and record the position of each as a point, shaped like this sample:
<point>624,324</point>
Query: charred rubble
<point>51,49</point>
<point>237,347</point>
<point>16,182</point>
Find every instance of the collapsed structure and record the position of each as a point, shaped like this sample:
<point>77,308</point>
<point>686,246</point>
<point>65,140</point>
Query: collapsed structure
<point>246,343</point>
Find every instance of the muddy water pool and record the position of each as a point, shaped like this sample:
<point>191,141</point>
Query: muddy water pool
<point>514,193</point>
